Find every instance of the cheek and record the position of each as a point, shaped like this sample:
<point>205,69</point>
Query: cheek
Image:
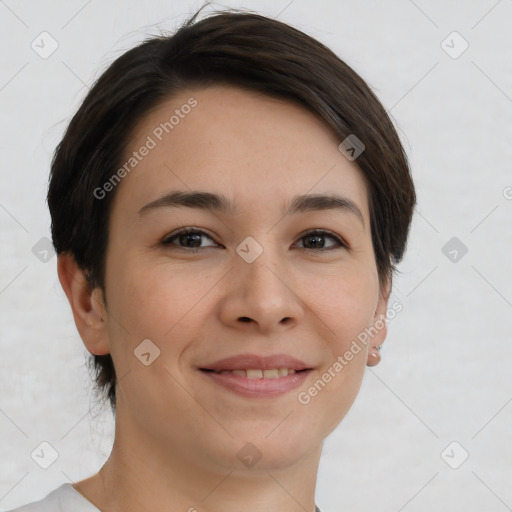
<point>167,306</point>
<point>345,303</point>
<point>149,298</point>
<point>141,307</point>
<point>346,308</point>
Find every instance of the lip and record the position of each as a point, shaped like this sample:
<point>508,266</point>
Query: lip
<point>247,361</point>
<point>257,388</point>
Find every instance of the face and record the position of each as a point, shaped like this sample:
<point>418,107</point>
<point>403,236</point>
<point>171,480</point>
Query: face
<point>255,281</point>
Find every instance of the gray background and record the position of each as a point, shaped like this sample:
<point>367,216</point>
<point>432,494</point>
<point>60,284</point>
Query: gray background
<point>446,370</point>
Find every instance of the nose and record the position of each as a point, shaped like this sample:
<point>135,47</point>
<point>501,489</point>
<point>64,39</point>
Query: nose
<point>262,296</point>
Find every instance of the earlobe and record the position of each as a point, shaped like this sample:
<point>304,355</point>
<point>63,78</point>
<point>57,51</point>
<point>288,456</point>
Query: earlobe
<point>379,327</point>
<point>86,305</point>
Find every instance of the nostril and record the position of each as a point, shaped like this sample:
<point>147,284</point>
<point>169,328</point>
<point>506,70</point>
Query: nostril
<point>245,319</point>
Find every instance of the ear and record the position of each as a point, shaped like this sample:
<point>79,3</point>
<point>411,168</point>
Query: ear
<point>379,327</point>
<point>87,305</point>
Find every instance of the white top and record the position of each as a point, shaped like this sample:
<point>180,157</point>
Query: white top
<point>64,499</point>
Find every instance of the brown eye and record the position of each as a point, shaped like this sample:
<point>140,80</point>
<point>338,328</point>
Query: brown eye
<point>315,240</point>
<point>188,238</point>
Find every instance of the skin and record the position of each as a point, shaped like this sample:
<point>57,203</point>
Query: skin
<point>177,434</point>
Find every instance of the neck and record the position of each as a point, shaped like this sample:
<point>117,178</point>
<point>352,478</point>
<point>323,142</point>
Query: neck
<point>140,475</point>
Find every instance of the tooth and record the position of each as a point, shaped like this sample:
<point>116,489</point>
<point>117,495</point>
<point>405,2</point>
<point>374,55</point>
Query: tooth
<point>254,374</point>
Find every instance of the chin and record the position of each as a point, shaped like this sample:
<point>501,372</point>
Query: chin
<point>261,448</point>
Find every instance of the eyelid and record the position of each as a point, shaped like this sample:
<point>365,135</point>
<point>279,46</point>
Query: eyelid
<point>312,231</point>
<point>326,232</point>
<point>183,230</point>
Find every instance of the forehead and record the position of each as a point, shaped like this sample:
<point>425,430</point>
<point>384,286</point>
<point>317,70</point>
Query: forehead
<point>246,145</point>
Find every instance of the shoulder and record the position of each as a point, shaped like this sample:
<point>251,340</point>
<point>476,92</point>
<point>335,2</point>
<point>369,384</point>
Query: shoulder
<point>62,499</point>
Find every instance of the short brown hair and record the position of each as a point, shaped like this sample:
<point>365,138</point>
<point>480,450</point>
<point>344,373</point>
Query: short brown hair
<point>231,47</point>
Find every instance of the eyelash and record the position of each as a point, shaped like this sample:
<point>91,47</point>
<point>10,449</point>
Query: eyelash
<point>190,230</point>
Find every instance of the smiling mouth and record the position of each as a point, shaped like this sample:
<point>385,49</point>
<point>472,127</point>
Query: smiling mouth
<point>257,373</point>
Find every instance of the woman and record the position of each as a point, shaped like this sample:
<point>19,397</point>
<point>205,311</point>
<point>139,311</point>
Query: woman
<point>228,205</point>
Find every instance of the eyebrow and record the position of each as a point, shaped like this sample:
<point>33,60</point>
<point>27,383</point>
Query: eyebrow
<point>222,204</point>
